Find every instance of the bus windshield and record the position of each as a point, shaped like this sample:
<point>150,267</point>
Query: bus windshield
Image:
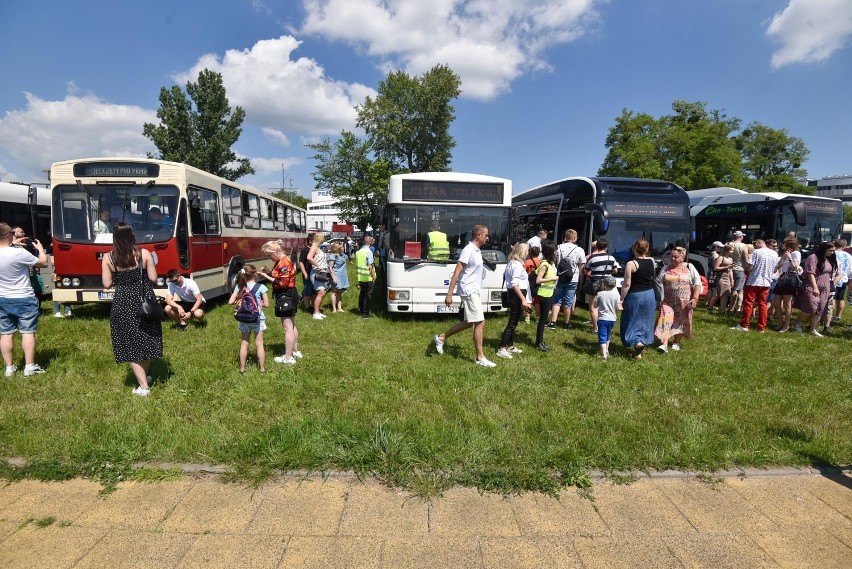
<point>410,225</point>
<point>87,213</point>
<point>663,234</point>
<point>820,227</point>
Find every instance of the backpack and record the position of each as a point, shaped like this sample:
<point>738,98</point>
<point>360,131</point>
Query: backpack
<point>248,310</point>
<point>565,269</point>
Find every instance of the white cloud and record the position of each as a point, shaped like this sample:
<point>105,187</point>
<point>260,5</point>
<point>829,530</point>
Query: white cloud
<point>810,30</point>
<point>276,136</point>
<point>6,175</point>
<point>264,166</point>
<point>489,43</point>
<point>281,93</point>
<point>78,126</point>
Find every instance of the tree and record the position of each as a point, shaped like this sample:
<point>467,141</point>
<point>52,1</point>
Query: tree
<point>292,197</point>
<point>408,123</point>
<point>200,130</point>
<point>772,159</point>
<point>356,181</point>
<point>847,213</point>
<point>692,147</point>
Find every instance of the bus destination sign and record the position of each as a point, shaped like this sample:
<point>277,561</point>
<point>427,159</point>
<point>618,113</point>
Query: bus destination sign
<point>116,170</point>
<point>623,209</point>
<point>460,192</point>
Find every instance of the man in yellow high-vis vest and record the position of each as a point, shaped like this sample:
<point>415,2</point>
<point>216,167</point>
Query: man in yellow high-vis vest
<point>438,246</point>
<point>366,268</point>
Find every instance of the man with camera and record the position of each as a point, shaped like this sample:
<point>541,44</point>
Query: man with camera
<point>19,307</point>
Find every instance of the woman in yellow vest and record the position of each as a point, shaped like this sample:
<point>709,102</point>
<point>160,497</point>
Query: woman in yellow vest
<point>546,279</point>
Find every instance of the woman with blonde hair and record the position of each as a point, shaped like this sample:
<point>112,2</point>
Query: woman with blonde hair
<point>337,263</point>
<point>516,282</point>
<point>321,277</point>
<point>681,289</point>
<point>283,279</point>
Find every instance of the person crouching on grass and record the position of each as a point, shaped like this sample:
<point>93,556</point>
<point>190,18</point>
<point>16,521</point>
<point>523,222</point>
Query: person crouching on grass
<point>246,280</point>
<point>607,302</point>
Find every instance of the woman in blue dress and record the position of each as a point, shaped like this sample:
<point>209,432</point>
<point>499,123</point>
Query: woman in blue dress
<point>337,263</point>
<point>637,296</point>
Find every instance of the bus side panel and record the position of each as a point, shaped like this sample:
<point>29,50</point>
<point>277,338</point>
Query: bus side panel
<point>427,285</point>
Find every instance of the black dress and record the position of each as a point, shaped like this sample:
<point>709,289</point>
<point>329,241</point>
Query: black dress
<point>134,339</point>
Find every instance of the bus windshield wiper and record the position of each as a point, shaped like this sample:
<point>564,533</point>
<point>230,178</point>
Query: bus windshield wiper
<point>85,190</point>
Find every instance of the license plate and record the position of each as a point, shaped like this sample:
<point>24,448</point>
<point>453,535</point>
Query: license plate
<point>105,295</point>
<point>445,308</point>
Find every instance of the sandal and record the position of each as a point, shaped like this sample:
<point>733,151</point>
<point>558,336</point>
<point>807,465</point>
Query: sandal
<point>637,350</point>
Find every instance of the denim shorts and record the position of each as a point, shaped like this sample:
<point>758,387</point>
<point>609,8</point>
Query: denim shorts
<point>19,313</point>
<point>565,295</point>
<point>256,327</point>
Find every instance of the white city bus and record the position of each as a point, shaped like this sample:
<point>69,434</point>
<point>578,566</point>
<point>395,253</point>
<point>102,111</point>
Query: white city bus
<point>454,203</point>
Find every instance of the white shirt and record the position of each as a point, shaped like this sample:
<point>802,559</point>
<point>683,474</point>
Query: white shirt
<point>470,280</point>
<point>186,292</point>
<point>575,254</point>
<point>516,275</point>
<point>101,226</point>
<point>763,263</point>
<point>608,305</point>
<point>787,266</point>
<point>15,263</point>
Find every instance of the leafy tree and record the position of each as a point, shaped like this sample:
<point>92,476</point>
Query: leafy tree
<point>847,213</point>
<point>772,159</point>
<point>634,147</point>
<point>356,181</point>
<point>408,123</point>
<point>201,129</point>
<point>292,197</point>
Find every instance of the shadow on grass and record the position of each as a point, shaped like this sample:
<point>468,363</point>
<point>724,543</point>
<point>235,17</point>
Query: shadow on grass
<point>161,371</point>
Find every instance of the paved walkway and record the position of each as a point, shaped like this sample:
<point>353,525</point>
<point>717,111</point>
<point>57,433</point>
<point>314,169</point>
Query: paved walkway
<point>777,521</point>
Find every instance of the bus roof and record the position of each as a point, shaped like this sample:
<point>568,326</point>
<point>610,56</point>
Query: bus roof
<point>455,176</point>
<point>18,193</point>
<point>700,199</point>
<point>559,186</point>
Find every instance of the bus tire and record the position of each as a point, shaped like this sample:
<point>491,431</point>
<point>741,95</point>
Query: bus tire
<point>234,267</point>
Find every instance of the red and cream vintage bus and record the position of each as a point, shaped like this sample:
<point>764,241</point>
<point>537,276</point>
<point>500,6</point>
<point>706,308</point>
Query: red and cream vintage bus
<point>204,226</point>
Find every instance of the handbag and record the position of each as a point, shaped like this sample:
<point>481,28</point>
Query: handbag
<point>321,276</point>
<point>285,304</point>
<point>789,281</point>
<point>150,308</point>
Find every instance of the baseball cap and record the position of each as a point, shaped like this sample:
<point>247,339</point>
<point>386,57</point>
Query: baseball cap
<point>717,244</point>
<point>738,233</point>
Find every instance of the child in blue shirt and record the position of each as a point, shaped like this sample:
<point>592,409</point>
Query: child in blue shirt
<point>246,279</point>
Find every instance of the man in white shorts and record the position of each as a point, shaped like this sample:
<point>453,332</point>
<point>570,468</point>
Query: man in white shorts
<point>468,275</point>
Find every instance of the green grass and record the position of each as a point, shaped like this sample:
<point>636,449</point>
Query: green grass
<point>372,396</point>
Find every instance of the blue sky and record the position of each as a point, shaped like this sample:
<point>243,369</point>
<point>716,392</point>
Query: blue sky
<point>543,80</point>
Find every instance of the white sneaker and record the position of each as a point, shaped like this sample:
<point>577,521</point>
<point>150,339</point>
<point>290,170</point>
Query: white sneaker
<point>33,369</point>
<point>141,391</point>
<point>291,361</point>
<point>58,315</point>
<point>816,333</point>
<point>297,354</point>
<point>10,370</point>
<point>279,359</point>
<point>439,344</point>
<point>676,347</point>
<point>504,353</point>
<point>663,348</point>
<point>484,362</point>
<point>318,316</point>
<point>67,313</point>
<point>514,350</point>
<point>739,328</point>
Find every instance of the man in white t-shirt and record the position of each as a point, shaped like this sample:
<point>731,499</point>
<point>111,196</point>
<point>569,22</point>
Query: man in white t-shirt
<point>468,276</point>
<point>565,295</point>
<point>19,309</point>
<point>761,268</point>
<point>184,300</point>
<point>537,239</point>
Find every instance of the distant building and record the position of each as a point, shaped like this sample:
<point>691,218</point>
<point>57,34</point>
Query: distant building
<point>323,212</point>
<point>839,187</point>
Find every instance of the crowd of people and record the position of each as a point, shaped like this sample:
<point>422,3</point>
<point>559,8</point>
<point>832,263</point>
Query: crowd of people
<point>542,280</point>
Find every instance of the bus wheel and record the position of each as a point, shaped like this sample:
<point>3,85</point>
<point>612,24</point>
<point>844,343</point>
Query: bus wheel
<point>234,269</point>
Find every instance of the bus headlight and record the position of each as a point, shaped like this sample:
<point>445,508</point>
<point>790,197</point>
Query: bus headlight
<point>75,281</point>
<point>66,282</point>
<point>495,295</point>
<point>399,295</point>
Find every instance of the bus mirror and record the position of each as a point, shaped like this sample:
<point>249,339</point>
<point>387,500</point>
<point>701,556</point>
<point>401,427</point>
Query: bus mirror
<point>799,213</point>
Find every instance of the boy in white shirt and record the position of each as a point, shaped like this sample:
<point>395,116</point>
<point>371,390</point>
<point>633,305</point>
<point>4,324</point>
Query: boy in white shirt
<point>607,302</point>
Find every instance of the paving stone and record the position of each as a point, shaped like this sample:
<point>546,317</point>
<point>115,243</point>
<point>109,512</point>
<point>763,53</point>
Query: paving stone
<point>136,505</point>
<point>787,502</point>
<point>713,508</point>
<point>227,551</point>
<point>332,553</point>
<point>639,506</point>
<point>719,551</point>
<point>65,501</point>
<point>627,552</point>
<point>540,515</point>
<point>432,552</point>
<point>464,511</point>
<point>528,552</point>
<point>141,550</point>
<point>833,493</point>
<point>373,510</point>
<point>211,506</point>
<point>7,529</point>
<point>55,547</point>
<point>801,547</point>
<point>309,507</point>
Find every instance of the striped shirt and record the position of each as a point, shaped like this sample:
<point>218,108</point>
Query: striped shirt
<point>600,265</point>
